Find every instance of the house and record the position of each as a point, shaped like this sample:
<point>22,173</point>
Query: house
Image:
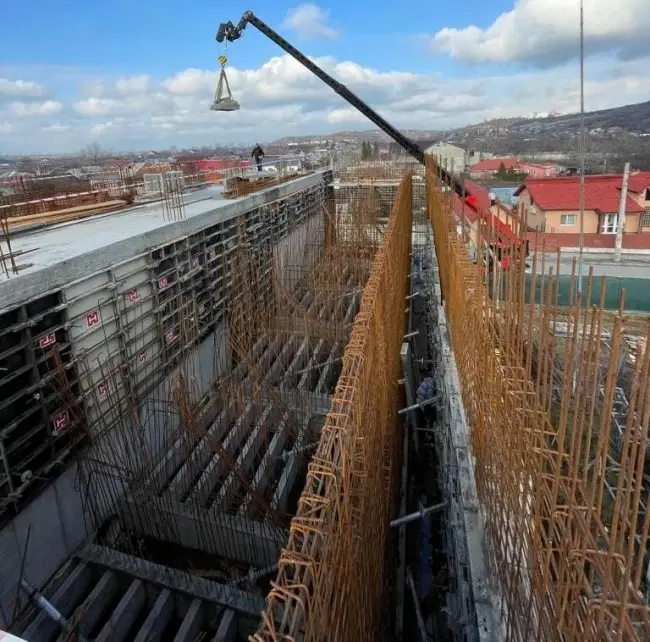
<point>481,205</point>
<point>553,206</point>
<point>538,170</point>
<point>449,156</point>
<point>489,167</point>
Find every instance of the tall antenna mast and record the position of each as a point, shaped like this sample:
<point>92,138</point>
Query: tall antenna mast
<point>582,147</point>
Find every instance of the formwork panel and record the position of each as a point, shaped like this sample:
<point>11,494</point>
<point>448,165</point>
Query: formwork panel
<point>36,426</point>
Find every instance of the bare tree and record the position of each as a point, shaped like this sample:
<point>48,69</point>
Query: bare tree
<point>94,153</point>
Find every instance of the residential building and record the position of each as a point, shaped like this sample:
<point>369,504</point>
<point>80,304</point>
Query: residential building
<point>489,167</point>
<point>538,170</point>
<point>448,155</point>
<point>553,204</point>
<point>638,188</point>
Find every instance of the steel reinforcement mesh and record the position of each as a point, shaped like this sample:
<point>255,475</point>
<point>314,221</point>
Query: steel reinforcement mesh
<point>332,573</point>
<point>558,415</point>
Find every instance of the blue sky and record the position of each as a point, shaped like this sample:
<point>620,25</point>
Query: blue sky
<point>141,74</point>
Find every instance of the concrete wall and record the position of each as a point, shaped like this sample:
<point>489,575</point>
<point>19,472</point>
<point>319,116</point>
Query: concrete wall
<point>59,523</point>
<point>57,528</point>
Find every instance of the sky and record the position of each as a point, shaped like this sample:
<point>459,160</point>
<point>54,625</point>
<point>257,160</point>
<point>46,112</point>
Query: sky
<point>141,75</point>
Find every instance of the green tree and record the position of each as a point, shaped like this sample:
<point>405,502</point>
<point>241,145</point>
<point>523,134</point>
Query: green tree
<point>501,172</point>
<point>375,151</point>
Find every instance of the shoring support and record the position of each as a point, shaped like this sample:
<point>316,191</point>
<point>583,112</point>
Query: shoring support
<point>416,605</point>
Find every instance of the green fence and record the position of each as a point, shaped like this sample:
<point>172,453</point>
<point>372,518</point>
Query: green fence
<point>637,291</point>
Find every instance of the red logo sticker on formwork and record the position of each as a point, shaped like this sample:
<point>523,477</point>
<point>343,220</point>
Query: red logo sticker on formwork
<point>169,336</point>
<point>102,388</point>
<point>162,282</point>
<point>143,356</point>
<point>132,296</point>
<point>47,340</point>
<point>92,319</point>
<point>61,422</point>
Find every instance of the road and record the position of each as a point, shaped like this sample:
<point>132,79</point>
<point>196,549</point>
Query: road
<point>630,266</point>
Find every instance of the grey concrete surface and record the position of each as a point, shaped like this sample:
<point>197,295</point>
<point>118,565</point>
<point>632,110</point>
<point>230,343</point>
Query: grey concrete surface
<point>154,626</point>
<point>57,528</point>
<point>632,266</point>
<point>68,252</point>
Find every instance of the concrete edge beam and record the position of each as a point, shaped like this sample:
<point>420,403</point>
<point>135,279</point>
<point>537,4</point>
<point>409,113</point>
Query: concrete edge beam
<point>172,579</point>
<point>192,623</point>
<point>265,468</point>
<point>227,627</point>
<point>95,605</point>
<point>310,368</point>
<point>245,459</point>
<point>125,614</point>
<point>290,472</point>
<point>215,467</point>
<point>158,618</point>
<point>200,454</point>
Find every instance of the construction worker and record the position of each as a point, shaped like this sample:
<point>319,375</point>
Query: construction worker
<point>258,154</point>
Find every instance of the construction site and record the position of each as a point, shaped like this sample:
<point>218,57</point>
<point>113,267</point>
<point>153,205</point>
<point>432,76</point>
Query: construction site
<point>306,409</point>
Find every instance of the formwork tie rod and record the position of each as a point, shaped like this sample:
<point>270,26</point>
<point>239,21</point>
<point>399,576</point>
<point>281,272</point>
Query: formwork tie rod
<point>319,365</point>
<point>50,610</point>
<point>421,514</point>
<point>415,406</point>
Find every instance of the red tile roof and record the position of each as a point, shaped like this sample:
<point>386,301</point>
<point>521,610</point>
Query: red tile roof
<point>639,181</point>
<point>481,193</point>
<point>493,164</point>
<point>602,193</point>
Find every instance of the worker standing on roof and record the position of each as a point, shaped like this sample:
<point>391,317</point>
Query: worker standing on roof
<point>258,154</point>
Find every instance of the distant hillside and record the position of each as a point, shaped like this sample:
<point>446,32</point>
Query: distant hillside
<point>617,134</point>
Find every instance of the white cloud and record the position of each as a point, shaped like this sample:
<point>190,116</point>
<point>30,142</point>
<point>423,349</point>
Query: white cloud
<point>97,106</point>
<point>281,98</point>
<point>545,32</point>
<point>21,89</point>
<point>309,21</point>
<point>132,85</point>
<point>6,128</point>
<point>56,128</point>
<point>46,108</point>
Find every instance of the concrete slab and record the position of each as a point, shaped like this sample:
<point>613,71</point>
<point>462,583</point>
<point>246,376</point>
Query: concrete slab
<point>61,254</point>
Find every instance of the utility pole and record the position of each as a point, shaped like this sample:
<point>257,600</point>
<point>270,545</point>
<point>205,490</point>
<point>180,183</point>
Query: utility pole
<point>582,147</point>
<point>620,221</point>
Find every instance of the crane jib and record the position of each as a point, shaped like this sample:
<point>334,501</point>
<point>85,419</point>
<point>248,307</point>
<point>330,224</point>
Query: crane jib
<point>228,31</point>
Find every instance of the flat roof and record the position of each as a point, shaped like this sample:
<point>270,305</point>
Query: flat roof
<point>60,253</point>
<point>49,245</point>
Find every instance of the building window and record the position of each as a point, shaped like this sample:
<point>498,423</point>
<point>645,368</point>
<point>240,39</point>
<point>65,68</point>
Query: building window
<point>568,219</point>
<point>647,193</point>
<point>645,222</point>
<point>610,224</point>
